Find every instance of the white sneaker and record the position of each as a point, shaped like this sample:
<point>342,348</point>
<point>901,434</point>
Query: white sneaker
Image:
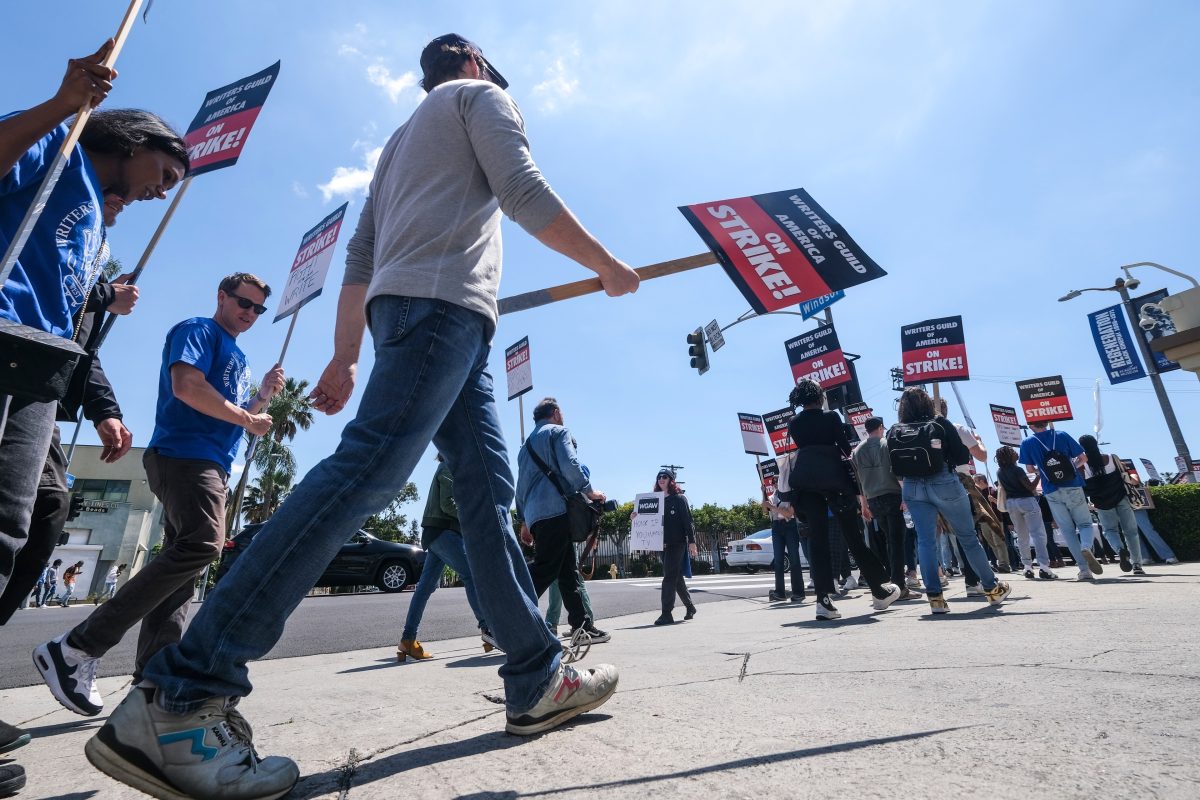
<point>808,584</point>
<point>207,753</point>
<point>893,594</point>
<point>826,609</point>
<point>70,674</point>
<point>569,694</point>
<point>1084,575</point>
<point>912,582</point>
<point>975,590</point>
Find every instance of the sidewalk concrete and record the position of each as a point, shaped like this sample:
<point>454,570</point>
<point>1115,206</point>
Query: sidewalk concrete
<point>1070,691</point>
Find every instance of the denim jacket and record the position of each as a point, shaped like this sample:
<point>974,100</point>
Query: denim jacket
<point>537,497</point>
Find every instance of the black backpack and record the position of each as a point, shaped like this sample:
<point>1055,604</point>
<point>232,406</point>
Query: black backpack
<point>915,449</point>
<point>1058,467</point>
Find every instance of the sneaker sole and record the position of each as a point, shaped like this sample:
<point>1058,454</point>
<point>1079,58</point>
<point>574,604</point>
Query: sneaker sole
<point>49,674</point>
<point>1094,566</point>
<point>558,719</point>
<point>20,741</point>
<point>112,764</point>
<point>12,785</point>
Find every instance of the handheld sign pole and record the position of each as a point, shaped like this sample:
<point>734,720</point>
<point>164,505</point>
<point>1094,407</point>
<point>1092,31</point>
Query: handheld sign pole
<point>521,411</point>
<point>542,297</point>
<point>34,212</point>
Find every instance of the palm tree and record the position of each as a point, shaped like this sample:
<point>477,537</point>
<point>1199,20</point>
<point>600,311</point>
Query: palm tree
<point>263,498</point>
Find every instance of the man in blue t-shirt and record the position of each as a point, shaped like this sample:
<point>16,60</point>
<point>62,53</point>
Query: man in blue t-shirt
<point>1056,458</point>
<point>204,406</point>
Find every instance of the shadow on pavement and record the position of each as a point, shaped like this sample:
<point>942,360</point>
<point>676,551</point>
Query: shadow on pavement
<point>383,663</point>
<point>43,731</point>
<point>830,624</point>
<point>753,761</point>
<point>74,795</point>
<point>482,660</point>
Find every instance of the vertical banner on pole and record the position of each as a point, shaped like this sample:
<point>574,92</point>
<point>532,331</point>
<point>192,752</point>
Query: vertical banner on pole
<point>1044,399</point>
<point>311,264</point>
<point>220,128</point>
<point>1008,425</point>
<point>1114,344</point>
<point>518,368</point>
<point>754,434</point>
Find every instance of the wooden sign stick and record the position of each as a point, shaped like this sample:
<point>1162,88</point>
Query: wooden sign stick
<point>541,297</point>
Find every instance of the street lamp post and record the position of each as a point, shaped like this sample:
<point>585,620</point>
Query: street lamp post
<point>1121,286</point>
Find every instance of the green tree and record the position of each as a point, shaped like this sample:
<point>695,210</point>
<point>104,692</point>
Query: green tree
<point>392,524</point>
<point>615,527</point>
<point>265,494</point>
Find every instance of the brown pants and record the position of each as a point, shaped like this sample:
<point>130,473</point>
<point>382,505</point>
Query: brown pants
<point>989,526</point>
<point>193,497</point>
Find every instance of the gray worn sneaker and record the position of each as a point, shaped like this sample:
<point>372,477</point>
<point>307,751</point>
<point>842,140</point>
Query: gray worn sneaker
<point>569,694</point>
<point>1093,565</point>
<point>208,753</point>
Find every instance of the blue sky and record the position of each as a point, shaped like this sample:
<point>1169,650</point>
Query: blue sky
<point>990,156</point>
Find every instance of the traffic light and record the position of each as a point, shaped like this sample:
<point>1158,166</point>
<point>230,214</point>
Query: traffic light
<point>76,507</point>
<point>697,350</point>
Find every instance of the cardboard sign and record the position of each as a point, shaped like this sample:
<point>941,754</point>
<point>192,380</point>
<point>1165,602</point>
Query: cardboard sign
<point>1165,327</point>
<point>1008,426</point>
<point>857,415</point>
<point>818,355</point>
<point>781,248</point>
<point>1044,399</point>
<point>768,475</point>
<point>518,368</point>
<point>219,131</point>
<point>777,430</point>
<point>810,308</point>
<point>1151,470</point>
<point>646,531</point>
<point>934,350</point>
<point>754,434</point>
<point>311,264</point>
<point>1115,345</point>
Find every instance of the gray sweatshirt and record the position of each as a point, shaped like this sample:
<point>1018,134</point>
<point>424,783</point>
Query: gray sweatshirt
<point>430,226</point>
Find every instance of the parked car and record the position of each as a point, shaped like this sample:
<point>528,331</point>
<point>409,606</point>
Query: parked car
<point>362,561</point>
<point>756,552</point>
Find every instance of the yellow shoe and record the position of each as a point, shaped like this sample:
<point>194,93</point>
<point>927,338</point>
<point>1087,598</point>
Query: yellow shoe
<point>938,604</point>
<point>997,594</point>
<point>411,648</point>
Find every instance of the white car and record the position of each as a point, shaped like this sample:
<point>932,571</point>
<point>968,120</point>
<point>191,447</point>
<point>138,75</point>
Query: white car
<point>756,552</point>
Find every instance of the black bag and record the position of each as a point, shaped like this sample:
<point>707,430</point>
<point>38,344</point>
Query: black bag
<point>35,365</point>
<point>819,468</point>
<point>582,517</point>
<point>915,449</point>
<point>1058,467</point>
<point>1106,489</point>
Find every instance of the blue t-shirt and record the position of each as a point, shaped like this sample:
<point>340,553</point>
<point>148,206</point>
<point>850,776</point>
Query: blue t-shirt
<point>61,259</point>
<point>1033,453</point>
<point>181,431</point>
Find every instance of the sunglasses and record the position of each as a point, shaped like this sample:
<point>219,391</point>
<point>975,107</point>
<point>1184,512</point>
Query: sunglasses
<point>247,303</point>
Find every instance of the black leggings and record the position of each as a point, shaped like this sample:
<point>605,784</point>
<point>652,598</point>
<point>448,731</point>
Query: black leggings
<point>816,507</point>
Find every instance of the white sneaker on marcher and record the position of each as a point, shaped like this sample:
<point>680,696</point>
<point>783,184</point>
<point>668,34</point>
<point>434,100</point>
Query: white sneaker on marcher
<point>1084,575</point>
<point>893,594</point>
<point>975,590</point>
<point>569,694</point>
<point>207,753</point>
<point>70,674</point>
<point>826,609</point>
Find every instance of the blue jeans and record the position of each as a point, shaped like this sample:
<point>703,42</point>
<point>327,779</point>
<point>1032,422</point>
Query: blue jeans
<point>429,383</point>
<point>1152,536</point>
<point>1117,521</point>
<point>785,537</point>
<point>925,497</point>
<point>1069,506</point>
<point>446,550</point>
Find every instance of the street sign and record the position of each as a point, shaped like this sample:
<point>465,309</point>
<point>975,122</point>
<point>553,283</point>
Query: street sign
<point>713,331</point>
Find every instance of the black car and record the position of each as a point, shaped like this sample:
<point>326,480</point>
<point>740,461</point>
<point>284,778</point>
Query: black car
<point>362,561</point>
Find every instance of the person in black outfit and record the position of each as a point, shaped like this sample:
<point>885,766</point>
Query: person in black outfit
<point>679,532</point>
<point>819,434</point>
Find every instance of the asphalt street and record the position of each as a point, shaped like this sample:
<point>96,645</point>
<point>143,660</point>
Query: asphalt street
<point>340,623</point>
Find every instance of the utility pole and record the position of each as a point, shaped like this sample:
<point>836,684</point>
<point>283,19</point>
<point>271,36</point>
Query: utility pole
<point>1160,390</point>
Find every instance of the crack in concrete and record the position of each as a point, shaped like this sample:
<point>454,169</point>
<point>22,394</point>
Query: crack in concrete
<point>745,663</point>
<point>346,774</point>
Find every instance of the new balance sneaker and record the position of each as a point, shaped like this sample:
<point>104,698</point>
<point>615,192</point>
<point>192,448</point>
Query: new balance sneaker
<point>975,590</point>
<point>890,594</point>
<point>776,597</point>
<point>1126,564</point>
<point>207,753</point>
<point>826,609</point>
<point>1093,565</point>
<point>998,593</point>
<point>70,674</point>
<point>12,779</point>
<point>1047,575</point>
<point>12,737</point>
<point>411,648</point>
<point>569,694</point>
<point>938,604</point>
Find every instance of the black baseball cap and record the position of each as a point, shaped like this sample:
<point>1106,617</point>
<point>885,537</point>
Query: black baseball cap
<point>454,40</point>
<point>873,424</point>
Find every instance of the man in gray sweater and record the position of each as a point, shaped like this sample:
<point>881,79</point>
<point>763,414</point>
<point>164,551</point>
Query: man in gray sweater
<point>422,269</point>
<point>881,498</point>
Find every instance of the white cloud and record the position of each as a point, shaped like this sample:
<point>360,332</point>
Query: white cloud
<point>381,76</point>
<point>299,190</point>
<point>349,50</point>
<point>559,88</point>
<point>349,181</point>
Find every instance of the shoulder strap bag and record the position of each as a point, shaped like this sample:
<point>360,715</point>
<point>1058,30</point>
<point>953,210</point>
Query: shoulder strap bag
<point>582,517</point>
